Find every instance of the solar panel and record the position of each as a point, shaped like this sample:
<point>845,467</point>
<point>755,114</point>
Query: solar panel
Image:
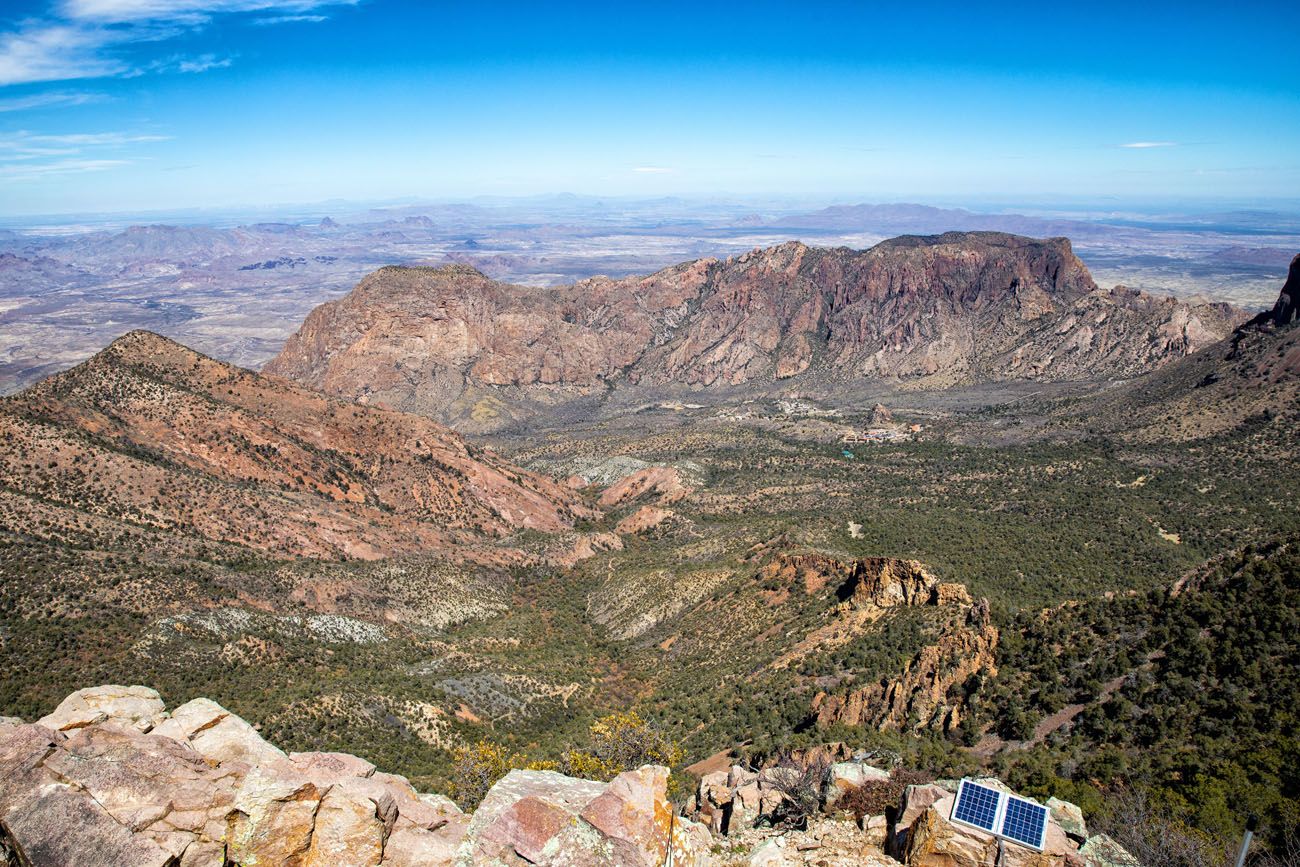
<point>977,806</point>
<point>1025,822</point>
<point>1009,816</point>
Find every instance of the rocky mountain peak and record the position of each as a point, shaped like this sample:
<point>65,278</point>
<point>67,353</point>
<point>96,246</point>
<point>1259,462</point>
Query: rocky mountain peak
<point>142,344</point>
<point>1287,309</point>
<point>938,310</point>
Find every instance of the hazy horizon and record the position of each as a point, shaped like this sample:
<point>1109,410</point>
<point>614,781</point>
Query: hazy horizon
<point>234,214</point>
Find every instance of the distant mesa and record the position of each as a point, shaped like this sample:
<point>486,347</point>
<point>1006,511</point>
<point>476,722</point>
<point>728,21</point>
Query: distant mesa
<point>931,311</point>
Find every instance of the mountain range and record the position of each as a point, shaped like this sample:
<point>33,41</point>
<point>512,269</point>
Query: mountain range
<point>677,514</point>
<point>917,312</point>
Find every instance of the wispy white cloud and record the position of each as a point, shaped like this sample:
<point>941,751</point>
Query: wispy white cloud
<point>26,156</point>
<point>203,63</point>
<point>1149,144</point>
<point>84,139</point>
<point>47,100</point>
<point>123,11</point>
<point>56,52</point>
<point>653,170</point>
<point>36,171</point>
<point>289,19</point>
<point>181,63</point>
<point>83,38</point>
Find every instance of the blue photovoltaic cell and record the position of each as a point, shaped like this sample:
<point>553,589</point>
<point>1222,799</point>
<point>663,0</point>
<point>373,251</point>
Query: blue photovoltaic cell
<point>1024,822</point>
<point>976,805</point>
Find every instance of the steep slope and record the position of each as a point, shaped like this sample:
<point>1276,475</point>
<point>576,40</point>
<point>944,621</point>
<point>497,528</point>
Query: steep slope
<point>1252,377</point>
<point>151,433</point>
<point>1287,309</point>
<point>940,310</point>
<point>1189,689</point>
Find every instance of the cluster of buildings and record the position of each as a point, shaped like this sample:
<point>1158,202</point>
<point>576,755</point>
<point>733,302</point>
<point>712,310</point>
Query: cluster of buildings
<point>882,434</point>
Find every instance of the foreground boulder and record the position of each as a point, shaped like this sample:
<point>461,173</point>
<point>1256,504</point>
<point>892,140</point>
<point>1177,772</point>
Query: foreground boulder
<point>136,706</point>
<point>124,784</point>
<point>111,779</point>
<point>546,818</point>
<point>1102,851</point>
<point>1069,817</point>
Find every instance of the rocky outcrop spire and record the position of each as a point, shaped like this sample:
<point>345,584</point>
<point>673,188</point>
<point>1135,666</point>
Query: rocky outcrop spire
<point>918,697</point>
<point>1287,308</point>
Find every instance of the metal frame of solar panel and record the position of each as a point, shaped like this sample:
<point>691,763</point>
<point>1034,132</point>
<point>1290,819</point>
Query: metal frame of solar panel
<point>977,806</point>
<point>1024,822</point>
<point>1011,817</point>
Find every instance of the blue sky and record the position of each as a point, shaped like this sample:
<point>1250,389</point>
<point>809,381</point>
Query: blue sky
<point>119,105</point>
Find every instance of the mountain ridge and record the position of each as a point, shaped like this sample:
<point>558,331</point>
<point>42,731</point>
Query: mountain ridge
<point>925,311</point>
<point>149,431</point>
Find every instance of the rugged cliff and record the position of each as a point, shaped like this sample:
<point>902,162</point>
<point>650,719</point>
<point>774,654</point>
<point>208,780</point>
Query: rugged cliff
<point>920,696</point>
<point>942,310</point>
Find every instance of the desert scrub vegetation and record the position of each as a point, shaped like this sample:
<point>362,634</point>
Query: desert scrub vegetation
<point>1187,695</point>
<point>875,797</point>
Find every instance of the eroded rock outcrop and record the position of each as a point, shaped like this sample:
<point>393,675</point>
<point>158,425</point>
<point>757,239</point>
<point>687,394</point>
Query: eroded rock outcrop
<point>1287,309</point>
<point>866,589</point>
<point>734,800</point>
<point>954,308</point>
<point>128,785</point>
<point>918,697</point>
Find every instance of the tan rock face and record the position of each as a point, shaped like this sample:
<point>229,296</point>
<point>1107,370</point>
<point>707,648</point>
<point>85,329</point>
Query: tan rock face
<point>546,818</point>
<point>203,790</point>
<point>136,706</point>
<point>217,734</point>
<point>960,307</point>
<point>871,582</point>
<point>272,819</point>
<point>348,829</point>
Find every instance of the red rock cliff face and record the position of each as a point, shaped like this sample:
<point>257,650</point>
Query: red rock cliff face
<point>918,697</point>
<point>954,308</point>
